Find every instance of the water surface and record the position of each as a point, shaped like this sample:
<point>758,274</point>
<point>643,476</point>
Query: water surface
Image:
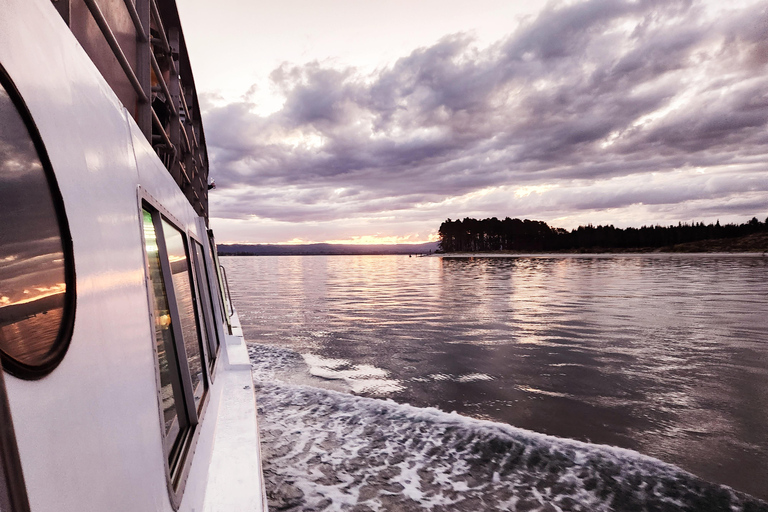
<point>663,354</point>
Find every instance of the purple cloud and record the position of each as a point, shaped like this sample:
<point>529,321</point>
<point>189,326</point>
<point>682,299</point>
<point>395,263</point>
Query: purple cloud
<point>581,94</point>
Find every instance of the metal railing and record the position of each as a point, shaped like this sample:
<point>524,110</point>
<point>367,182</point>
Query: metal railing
<point>166,101</point>
<point>98,16</point>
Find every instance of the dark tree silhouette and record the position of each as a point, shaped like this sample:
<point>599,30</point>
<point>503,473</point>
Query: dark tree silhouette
<point>471,235</point>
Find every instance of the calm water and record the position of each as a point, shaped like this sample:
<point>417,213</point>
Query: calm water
<point>666,355</point>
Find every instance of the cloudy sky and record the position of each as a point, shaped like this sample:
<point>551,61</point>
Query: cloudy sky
<point>374,121</point>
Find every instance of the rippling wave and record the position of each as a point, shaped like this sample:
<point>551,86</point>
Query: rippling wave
<point>666,355</point>
<point>327,450</point>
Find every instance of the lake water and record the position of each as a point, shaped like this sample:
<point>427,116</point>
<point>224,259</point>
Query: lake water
<point>666,355</point>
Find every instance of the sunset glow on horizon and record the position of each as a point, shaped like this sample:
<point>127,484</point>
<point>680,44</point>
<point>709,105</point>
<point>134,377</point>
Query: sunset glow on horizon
<point>373,122</point>
<point>363,240</point>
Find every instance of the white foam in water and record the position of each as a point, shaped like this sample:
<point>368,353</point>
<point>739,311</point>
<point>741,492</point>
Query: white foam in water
<point>361,378</point>
<point>529,389</point>
<point>473,377</point>
<point>470,377</point>
<point>325,450</point>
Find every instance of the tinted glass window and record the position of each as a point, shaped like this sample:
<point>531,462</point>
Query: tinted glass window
<point>206,299</point>
<point>163,334</point>
<point>177,256</point>
<point>198,297</point>
<point>180,338</point>
<point>34,262</point>
<point>225,313</point>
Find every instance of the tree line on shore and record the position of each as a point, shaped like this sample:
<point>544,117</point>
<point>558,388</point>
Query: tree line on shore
<point>472,235</point>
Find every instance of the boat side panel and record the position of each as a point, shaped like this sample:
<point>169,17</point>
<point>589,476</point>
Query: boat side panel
<point>158,184</point>
<point>88,433</point>
<point>159,188</point>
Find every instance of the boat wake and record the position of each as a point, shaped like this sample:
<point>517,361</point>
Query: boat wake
<point>328,450</point>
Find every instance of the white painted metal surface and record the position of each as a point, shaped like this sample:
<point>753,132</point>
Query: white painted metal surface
<point>236,481</point>
<point>89,434</point>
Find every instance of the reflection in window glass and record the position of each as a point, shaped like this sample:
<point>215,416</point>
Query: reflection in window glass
<point>177,256</point>
<point>163,332</point>
<point>32,267</point>
<point>203,321</point>
<point>225,313</point>
<point>206,300</point>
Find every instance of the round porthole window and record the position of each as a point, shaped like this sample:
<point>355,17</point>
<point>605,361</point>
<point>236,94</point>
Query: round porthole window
<point>37,285</point>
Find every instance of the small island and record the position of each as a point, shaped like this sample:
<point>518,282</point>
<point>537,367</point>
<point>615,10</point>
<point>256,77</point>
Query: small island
<point>526,236</point>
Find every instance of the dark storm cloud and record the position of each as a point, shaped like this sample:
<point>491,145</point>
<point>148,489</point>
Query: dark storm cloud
<point>589,91</point>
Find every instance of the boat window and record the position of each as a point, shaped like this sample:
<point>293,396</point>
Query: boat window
<point>36,263</point>
<point>227,296</point>
<point>181,340</point>
<point>185,301</point>
<point>224,308</point>
<point>169,375</point>
<point>206,301</point>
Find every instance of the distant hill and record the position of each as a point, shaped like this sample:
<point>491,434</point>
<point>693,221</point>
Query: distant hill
<point>322,249</point>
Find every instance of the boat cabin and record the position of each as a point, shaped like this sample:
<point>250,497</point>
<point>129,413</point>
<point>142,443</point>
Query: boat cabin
<point>125,382</point>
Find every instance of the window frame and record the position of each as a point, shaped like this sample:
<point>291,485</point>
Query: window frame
<point>219,270</point>
<point>176,320</point>
<point>60,346</point>
<point>221,318</point>
<point>206,306</point>
<point>226,290</point>
<point>177,452</point>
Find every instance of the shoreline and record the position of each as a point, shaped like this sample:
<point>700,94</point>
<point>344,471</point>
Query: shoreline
<point>507,254</point>
<point>754,244</point>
